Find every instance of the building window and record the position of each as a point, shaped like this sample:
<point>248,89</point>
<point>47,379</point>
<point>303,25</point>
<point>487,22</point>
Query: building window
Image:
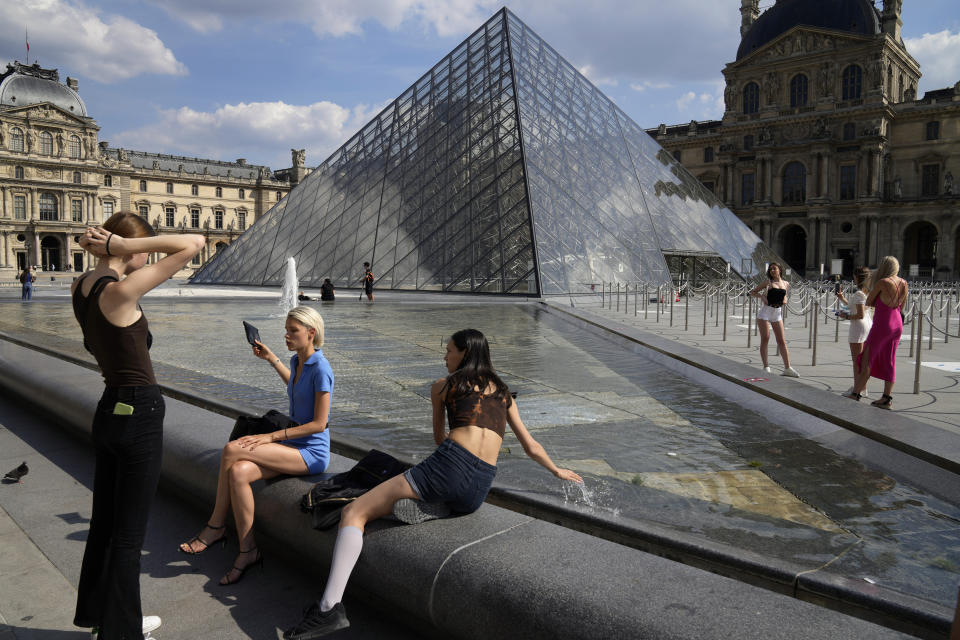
<point>194,218</point>
<point>747,188</point>
<point>850,131</point>
<point>108,181</point>
<point>751,98</point>
<point>677,155</point>
<point>241,220</point>
<point>194,190</point>
<point>143,186</point>
<point>169,220</point>
<point>219,192</point>
<point>748,143</point>
<point>77,178</point>
<point>74,147</point>
<point>241,194</point>
<point>18,173</point>
<point>279,196</point>
<point>107,208</point>
<point>794,183</point>
<point>76,210</point>
<point>218,219</point>
<point>933,130</point>
<point>901,88</point>
<point>20,207</point>
<point>930,180</point>
<point>144,211</point>
<point>46,143</point>
<point>196,259</point>
<point>708,154</point>
<point>798,91</point>
<point>48,207</point>
<point>16,139</point>
<point>852,82</point>
<point>169,187</point>
<point>848,182</point>
<point>709,186</point>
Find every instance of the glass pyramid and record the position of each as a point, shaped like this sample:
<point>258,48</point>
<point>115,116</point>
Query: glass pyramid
<point>501,170</point>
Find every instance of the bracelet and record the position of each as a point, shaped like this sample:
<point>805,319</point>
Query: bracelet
<point>108,245</point>
<point>285,434</point>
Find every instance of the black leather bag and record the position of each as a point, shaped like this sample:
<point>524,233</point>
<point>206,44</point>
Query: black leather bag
<point>270,421</point>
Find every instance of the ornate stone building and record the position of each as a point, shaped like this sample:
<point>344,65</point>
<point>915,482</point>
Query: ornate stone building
<point>825,149</point>
<point>56,177</point>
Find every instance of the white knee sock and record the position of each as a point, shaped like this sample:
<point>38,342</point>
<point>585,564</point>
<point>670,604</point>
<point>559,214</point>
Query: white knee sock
<point>345,554</point>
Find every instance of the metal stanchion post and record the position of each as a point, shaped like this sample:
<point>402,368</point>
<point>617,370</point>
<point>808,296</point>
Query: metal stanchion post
<point>716,312</point>
<point>706,301</point>
<point>686,311</point>
<point>726,302</point>
<point>946,326</point>
<point>836,320</point>
<point>603,294</point>
<point>636,294</point>
<point>930,346</point>
<point>671,305</point>
<point>749,303</point>
<point>816,310</point>
<point>916,369</point>
<point>618,296</point>
<point>646,302</point>
<point>913,326</point>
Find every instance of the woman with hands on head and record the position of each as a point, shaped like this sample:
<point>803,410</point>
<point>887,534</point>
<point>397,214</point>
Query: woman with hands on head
<point>295,451</point>
<point>773,293</point>
<point>471,409</point>
<point>128,423</point>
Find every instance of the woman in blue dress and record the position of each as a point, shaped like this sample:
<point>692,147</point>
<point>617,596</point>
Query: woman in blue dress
<point>296,451</point>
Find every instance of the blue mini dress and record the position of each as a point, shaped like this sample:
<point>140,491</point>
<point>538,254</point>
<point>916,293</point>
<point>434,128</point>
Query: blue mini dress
<point>316,377</point>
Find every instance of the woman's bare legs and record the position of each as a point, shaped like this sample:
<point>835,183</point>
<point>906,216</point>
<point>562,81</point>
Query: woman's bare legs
<point>764,327</point>
<point>856,348</point>
<point>781,342</point>
<point>862,374</point>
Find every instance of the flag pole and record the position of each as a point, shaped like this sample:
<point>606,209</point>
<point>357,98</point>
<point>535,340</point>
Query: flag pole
<point>26,39</point>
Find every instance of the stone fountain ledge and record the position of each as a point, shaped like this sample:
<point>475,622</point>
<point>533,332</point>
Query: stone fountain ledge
<point>495,573</point>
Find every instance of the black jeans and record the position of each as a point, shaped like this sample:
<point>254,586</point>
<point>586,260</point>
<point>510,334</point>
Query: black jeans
<point>128,455</point>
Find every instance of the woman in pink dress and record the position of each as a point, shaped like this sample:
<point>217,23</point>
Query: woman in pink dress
<point>888,293</point>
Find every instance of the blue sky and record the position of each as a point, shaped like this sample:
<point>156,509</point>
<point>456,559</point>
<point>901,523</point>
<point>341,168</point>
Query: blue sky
<point>246,78</point>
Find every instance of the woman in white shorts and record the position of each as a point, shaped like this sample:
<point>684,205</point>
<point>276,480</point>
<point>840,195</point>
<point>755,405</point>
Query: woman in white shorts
<point>773,292</point>
<point>859,315</point>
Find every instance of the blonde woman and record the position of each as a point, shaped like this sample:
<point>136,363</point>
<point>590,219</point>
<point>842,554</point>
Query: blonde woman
<point>859,315</point>
<point>773,292</point>
<point>888,293</point>
<point>297,451</point>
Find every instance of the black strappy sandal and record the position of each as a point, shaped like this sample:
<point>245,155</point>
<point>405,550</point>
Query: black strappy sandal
<point>257,560</point>
<point>206,545</point>
<point>885,402</point>
<point>853,395</point>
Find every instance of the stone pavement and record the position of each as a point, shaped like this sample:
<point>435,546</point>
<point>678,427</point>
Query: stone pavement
<point>938,402</point>
<point>43,525</point>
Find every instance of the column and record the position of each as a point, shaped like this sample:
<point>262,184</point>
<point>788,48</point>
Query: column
<point>68,250</point>
<point>758,180</point>
<point>768,193</point>
<point>34,205</point>
<point>824,176</point>
<point>5,239</point>
<point>5,211</point>
<point>874,241</point>
<point>876,173</point>
<point>728,168</point>
<point>36,248</point>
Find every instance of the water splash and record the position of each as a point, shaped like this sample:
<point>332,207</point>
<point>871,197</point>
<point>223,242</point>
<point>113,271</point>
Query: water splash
<point>291,287</point>
<point>594,495</point>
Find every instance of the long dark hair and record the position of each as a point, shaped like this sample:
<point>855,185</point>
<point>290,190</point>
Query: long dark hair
<point>771,266</point>
<point>475,369</point>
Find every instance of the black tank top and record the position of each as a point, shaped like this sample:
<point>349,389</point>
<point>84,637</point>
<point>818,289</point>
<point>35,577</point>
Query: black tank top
<point>123,353</point>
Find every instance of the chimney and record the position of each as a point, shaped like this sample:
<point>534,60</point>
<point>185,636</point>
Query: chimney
<point>242,162</point>
<point>890,22</point>
<point>104,145</point>
<point>73,84</point>
<point>749,12</point>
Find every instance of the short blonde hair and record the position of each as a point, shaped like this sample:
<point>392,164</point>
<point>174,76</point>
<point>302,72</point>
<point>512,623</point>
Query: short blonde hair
<point>889,266</point>
<point>311,319</point>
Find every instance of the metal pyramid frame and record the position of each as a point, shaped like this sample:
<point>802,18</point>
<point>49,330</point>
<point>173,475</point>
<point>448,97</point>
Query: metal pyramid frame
<point>501,170</point>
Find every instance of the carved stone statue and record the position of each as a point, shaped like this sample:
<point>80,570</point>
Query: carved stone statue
<point>948,184</point>
<point>910,95</point>
<point>123,155</point>
<point>897,187</point>
<point>892,6</point>
<point>730,97</point>
<point>156,165</point>
<point>876,71</point>
<point>773,87</point>
<point>31,140</point>
<point>766,135</point>
<point>1,136</point>
<point>299,157</point>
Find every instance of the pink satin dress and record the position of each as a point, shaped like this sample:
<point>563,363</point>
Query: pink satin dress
<point>883,340</point>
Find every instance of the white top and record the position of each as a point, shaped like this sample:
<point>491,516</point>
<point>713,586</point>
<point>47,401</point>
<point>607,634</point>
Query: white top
<point>859,328</point>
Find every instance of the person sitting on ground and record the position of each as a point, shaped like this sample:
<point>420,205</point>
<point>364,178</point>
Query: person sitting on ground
<point>454,479</point>
<point>859,315</point>
<point>302,297</point>
<point>296,451</point>
<point>326,291</point>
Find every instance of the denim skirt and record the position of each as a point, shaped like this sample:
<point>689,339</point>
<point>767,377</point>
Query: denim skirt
<point>454,476</point>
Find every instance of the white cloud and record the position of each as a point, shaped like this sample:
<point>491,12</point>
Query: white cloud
<point>589,73</point>
<point>939,58</point>
<point>646,84</point>
<point>108,48</point>
<point>684,101</point>
<point>263,132</point>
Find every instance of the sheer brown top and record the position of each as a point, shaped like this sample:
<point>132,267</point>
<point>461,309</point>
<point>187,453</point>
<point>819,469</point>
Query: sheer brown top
<point>475,408</point>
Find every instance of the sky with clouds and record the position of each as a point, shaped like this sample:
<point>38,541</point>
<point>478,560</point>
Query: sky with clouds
<point>246,78</point>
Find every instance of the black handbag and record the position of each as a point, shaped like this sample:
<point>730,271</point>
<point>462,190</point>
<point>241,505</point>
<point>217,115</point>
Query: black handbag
<point>271,421</point>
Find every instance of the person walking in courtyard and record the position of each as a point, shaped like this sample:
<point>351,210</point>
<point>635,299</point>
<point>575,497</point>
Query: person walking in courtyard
<point>295,451</point>
<point>888,294</point>
<point>26,284</point>
<point>859,315</point>
<point>773,292</point>
<point>368,281</point>
<point>128,423</point>
<point>471,409</point>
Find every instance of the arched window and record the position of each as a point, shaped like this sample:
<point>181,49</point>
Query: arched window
<point>218,219</point>
<point>850,131</point>
<point>279,196</point>
<point>933,130</point>
<point>74,147</point>
<point>748,143</point>
<point>143,185</point>
<point>219,192</point>
<point>169,187</point>
<point>798,91</point>
<point>677,155</point>
<point>16,139</point>
<point>18,173</point>
<point>46,143</point>
<point>794,183</point>
<point>242,194</point>
<point>852,82</point>
<point>108,181</point>
<point>194,190</point>
<point>77,178</point>
<point>241,220</point>
<point>751,98</point>
<point>708,154</point>
<point>48,207</point>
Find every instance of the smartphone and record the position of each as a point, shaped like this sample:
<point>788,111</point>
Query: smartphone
<point>253,334</point>
<point>122,409</point>
<point>836,288</point>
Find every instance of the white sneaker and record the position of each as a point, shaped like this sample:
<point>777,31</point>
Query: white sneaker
<point>150,623</point>
<point>767,370</point>
<point>790,372</point>
<point>862,395</point>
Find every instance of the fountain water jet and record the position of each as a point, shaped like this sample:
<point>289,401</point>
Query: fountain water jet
<point>291,287</point>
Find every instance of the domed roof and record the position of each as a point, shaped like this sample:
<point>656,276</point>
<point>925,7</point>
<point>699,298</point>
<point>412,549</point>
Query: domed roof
<point>852,16</point>
<point>19,90</point>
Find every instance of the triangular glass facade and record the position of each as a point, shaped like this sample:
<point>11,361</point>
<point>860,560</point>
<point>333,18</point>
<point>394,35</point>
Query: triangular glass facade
<point>502,170</point>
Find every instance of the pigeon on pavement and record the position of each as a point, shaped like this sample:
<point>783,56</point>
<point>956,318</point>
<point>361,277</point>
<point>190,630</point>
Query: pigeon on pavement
<point>16,474</point>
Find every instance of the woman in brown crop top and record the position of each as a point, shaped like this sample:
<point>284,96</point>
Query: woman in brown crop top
<point>128,423</point>
<point>455,478</point>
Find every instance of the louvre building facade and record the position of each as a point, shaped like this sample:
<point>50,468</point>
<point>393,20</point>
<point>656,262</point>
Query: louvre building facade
<point>501,170</point>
